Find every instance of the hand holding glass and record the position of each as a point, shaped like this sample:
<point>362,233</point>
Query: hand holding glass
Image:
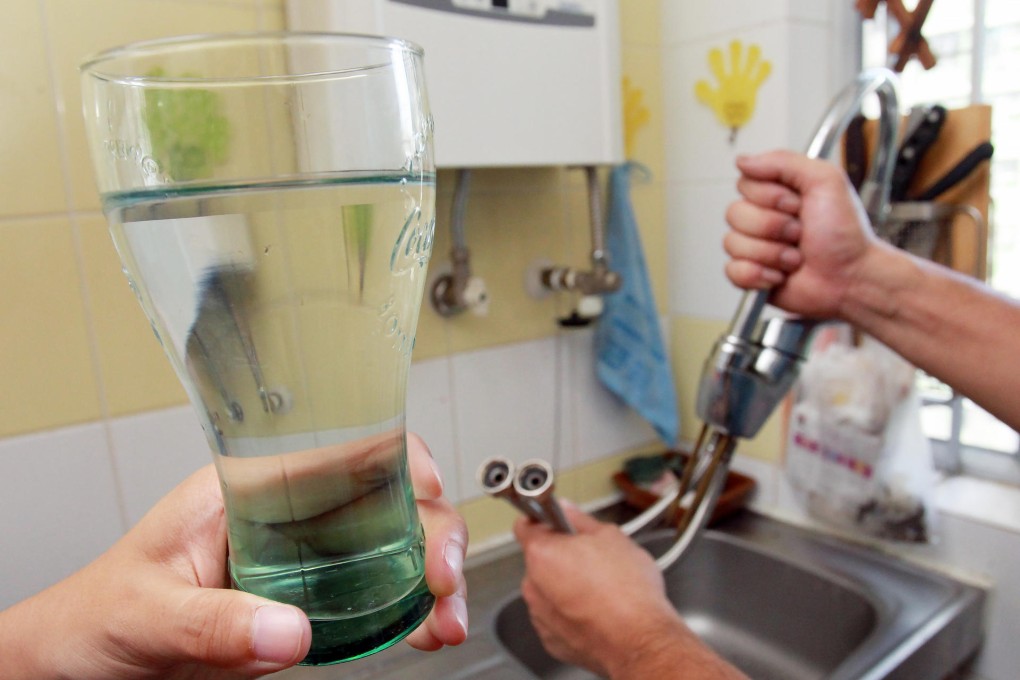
<point>272,200</point>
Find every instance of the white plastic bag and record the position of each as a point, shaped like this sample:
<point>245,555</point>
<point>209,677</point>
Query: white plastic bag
<point>856,454</point>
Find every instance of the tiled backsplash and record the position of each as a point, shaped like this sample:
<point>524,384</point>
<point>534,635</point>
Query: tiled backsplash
<point>93,426</point>
<point>538,399</point>
<point>67,494</point>
<point>93,423</point>
<point>59,504</point>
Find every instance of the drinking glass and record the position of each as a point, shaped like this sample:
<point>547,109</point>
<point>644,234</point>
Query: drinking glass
<point>271,197</point>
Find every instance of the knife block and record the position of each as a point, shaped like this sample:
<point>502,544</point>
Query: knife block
<point>960,246</point>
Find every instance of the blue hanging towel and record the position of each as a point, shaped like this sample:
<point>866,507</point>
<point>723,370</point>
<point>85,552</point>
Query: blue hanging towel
<point>630,356</point>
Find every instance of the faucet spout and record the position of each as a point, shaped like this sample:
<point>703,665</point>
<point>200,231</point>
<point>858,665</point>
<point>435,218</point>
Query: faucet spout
<point>881,82</point>
<point>755,363</point>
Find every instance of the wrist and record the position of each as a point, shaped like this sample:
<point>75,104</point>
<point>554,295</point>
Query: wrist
<point>651,649</point>
<point>20,640</point>
<point>875,289</point>
<point>667,648</point>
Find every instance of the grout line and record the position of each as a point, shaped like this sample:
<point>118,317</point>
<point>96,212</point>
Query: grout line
<point>79,257</point>
<point>41,216</point>
<point>459,480</point>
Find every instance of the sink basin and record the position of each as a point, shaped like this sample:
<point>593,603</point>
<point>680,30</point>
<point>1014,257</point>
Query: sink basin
<point>777,600</point>
<point>783,602</point>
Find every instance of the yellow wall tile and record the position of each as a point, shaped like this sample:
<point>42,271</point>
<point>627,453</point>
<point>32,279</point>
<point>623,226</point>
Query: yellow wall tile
<point>30,176</point>
<point>136,375</point>
<point>486,518</point>
<point>431,337</point>
<point>692,340</point>
<point>648,200</point>
<point>272,16</point>
<point>640,22</point>
<point>506,231</point>
<point>641,67</point>
<point>516,216</point>
<point>79,29</point>
<point>45,364</point>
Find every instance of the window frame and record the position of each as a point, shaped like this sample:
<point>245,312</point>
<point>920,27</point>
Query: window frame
<point>952,455</point>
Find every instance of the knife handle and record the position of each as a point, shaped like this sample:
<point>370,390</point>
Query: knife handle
<point>981,153</point>
<point>914,147</point>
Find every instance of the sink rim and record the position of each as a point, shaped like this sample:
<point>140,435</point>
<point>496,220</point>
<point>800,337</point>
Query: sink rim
<point>891,642</point>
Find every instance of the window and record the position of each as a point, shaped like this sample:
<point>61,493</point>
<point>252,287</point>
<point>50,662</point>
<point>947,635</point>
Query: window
<point>977,43</point>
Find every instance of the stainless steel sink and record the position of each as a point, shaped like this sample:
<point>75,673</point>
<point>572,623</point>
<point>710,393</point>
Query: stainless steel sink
<point>777,600</point>
<point>782,602</point>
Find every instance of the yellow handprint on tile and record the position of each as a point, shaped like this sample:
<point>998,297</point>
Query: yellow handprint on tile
<point>734,99</point>
<point>635,114</point>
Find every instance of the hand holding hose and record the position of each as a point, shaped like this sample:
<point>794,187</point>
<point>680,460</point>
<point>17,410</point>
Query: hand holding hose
<point>598,600</point>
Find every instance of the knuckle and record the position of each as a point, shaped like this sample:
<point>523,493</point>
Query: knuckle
<point>728,244</point>
<point>207,634</point>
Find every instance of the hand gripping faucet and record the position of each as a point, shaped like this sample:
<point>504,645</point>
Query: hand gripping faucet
<point>754,364</point>
<point>751,367</point>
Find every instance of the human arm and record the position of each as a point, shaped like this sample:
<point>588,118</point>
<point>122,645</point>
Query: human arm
<point>799,229</point>
<point>597,600</point>
<point>155,605</point>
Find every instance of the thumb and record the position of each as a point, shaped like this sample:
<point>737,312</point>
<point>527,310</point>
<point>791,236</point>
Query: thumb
<point>527,531</point>
<point>706,95</point>
<point>237,631</point>
<point>582,522</point>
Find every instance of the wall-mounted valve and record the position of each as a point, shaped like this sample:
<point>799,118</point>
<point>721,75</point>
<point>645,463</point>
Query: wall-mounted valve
<point>591,284</point>
<point>458,290</point>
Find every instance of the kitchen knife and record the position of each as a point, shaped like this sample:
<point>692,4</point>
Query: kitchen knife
<point>981,153</point>
<point>855,153</point>
<point>916,143</point>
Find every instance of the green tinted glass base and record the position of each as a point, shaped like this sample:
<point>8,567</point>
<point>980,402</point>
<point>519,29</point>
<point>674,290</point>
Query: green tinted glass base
<point>339,640</point>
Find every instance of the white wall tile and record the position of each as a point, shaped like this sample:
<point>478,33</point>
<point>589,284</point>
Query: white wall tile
<point>596,422</point>
<point>505,405</point>
<point>813,10</point>
<point>59,507</point>
<point>698,285</point>
<point>430,415</point>
<point>154,452</point>
<point>811,83</point>
<point>698,145</point>
<point>686,21</point>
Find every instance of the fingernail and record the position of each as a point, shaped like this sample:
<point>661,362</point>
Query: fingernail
<point>791,231</point>
<point>772,277</point>
<point>437,473</point>
<point>277,633</point>
<point>460,611</point>
<point>790,204</point>
<point>790,257</point>
<point>453,554</point>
